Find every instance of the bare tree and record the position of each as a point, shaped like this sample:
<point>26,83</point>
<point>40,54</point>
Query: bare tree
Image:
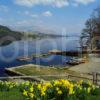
<point>92,28</point>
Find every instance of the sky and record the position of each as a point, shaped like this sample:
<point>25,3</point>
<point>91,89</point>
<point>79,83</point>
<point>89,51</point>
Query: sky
<point>46,15</point>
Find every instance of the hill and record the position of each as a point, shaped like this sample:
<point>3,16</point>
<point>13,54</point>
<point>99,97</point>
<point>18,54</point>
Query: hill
<point>7,35</point>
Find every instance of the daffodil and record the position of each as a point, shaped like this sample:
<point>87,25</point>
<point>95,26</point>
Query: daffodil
<point>27,83</point>
<point>31,89</point>
<point>31,95</point>
<point>59,92</point>
<point>80,82</point>
<point>39,86</point>
<point>57,88</point>
<point>93,87</point>
<point>89,83</point>
<point>71,90</point>
<point>88,90</point>
<point>25,93</point>
<point>42,93</point>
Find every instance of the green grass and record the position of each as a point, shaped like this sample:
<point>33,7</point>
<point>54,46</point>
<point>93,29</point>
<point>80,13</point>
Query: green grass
<point>15,94</point>
<point>95,95</point>
<point>93,98</point>
<point>35,70</point>
<point>11,95</point>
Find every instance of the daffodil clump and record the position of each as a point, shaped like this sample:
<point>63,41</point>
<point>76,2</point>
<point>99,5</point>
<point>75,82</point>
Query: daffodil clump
<point>57,90</point>
<point>54,90</point>
<point>6,86</point>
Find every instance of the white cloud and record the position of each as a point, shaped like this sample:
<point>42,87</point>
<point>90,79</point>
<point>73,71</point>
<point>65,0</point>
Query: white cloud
<point>34,15</point>
<point>47,13</point>
<point>3,8</point>
<point>85,2</point>
<point>28,13</point>
<point>54,3</point>
<point>23,22</point>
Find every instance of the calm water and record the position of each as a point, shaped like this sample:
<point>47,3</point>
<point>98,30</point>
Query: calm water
<point>9,53</point>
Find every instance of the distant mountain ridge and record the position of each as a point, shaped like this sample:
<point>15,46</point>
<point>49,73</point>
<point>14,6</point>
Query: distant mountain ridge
<point>7,32</point>
<point>40,34</point>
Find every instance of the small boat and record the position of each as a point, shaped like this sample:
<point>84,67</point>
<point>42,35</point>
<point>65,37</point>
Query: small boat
<point>72,63</point>
<point>25,58</point>
<point>75,61</point>
<point>44,55</point>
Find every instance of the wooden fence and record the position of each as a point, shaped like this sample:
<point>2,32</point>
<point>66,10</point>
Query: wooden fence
<point>95,78</point>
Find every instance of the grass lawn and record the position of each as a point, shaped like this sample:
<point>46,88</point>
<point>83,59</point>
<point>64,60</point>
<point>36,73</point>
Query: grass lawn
<point>15,94</point>
<point>93,97</point>
<point>11,95</point>
<point>44,72</point>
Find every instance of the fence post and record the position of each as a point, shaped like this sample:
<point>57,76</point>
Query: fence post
<point>94,78</point>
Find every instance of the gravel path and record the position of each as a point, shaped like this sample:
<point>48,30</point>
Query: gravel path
<point>92,66</point>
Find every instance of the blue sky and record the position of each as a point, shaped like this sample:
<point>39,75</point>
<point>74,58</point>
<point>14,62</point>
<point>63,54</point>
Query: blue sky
<point>46,15</point>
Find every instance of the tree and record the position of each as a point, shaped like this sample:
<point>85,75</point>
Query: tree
<point>92,28</point>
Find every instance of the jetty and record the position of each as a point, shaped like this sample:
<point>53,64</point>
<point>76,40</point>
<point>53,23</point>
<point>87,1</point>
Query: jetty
<point>40,55</point>
<point>66,53</point>
<point>73,53</point>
